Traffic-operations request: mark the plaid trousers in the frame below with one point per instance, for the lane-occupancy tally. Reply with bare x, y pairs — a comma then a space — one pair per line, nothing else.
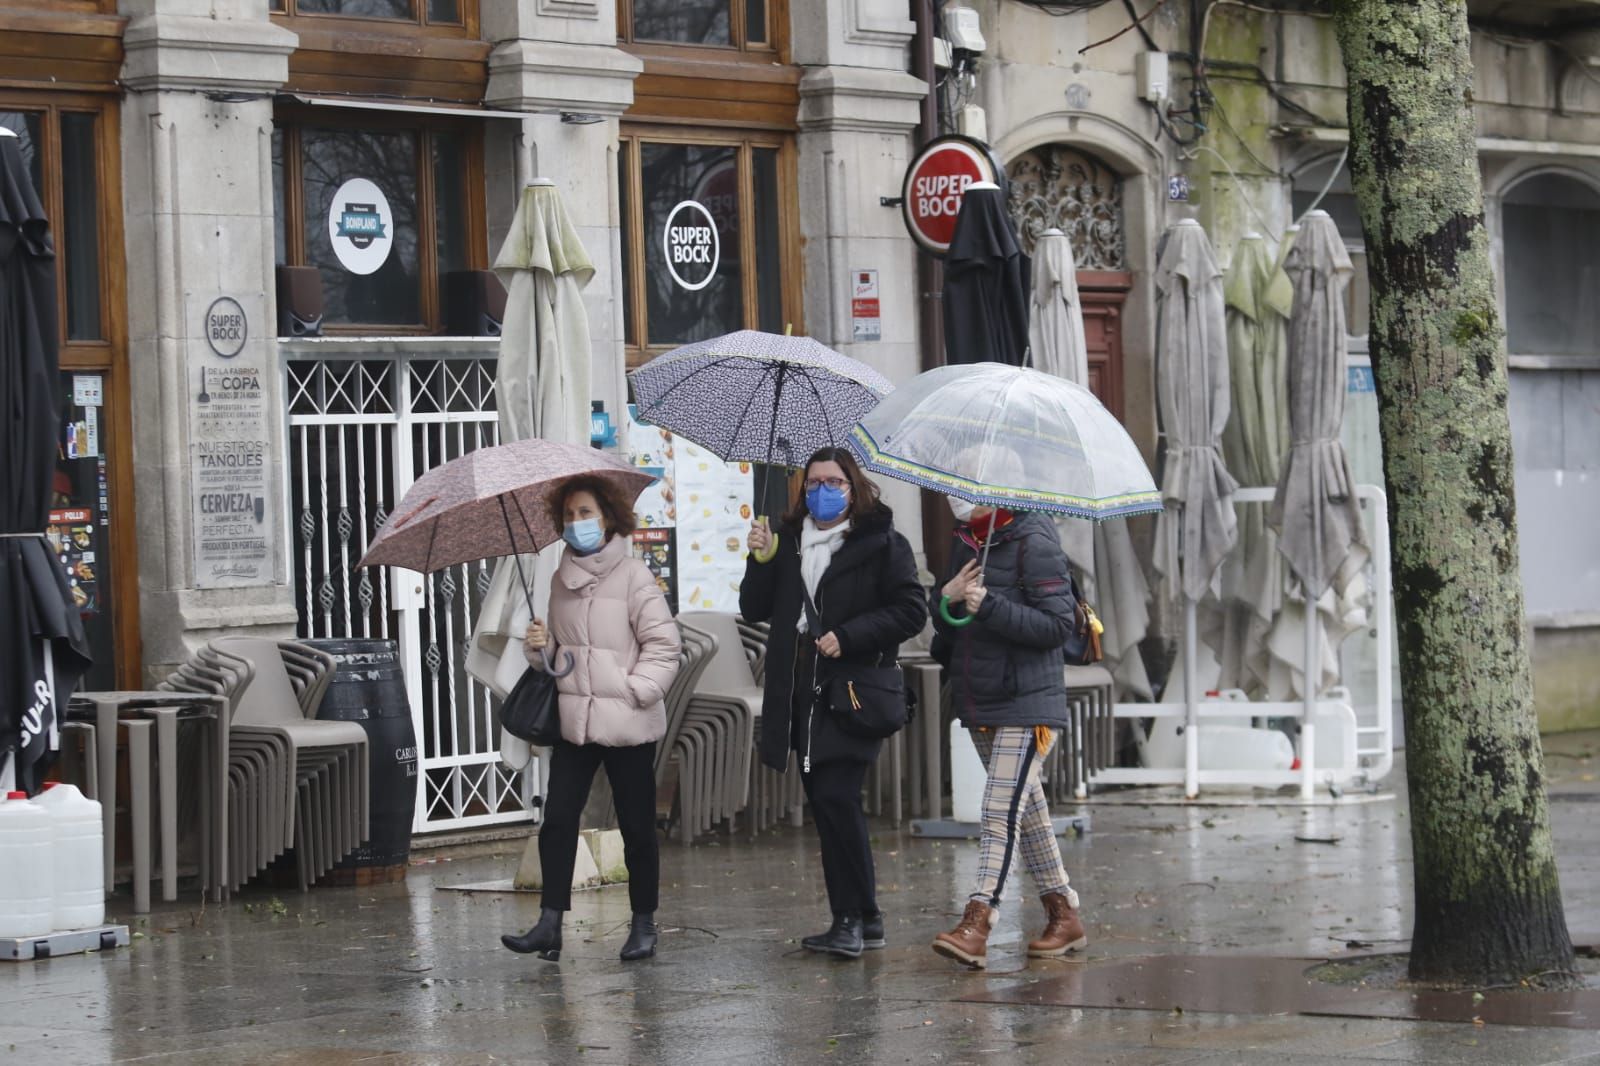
1015, 810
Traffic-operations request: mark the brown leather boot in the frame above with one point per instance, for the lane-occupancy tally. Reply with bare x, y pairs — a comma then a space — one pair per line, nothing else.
1063, 932
968, 942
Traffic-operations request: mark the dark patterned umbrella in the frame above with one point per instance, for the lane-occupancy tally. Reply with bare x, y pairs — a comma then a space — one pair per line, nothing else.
43, 650
757, 397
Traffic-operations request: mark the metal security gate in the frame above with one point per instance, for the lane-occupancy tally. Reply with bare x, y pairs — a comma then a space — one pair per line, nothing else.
366, 419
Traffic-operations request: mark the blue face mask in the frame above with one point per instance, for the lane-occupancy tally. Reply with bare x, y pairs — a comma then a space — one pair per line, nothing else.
826, 502
584, 536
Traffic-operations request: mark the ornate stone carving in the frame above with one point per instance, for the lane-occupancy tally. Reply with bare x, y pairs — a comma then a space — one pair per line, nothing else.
1060, 187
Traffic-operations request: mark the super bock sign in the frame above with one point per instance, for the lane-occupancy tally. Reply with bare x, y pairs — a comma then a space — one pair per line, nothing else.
360, 226
691, 245
930, 196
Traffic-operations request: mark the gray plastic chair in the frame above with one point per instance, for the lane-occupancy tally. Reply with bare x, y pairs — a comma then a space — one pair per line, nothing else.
728, 692
330, 758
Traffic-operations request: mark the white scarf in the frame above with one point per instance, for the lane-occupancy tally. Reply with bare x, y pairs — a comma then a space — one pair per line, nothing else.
816, 552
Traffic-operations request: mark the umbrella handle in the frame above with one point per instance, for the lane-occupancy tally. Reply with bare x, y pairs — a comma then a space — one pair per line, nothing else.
550, 667
950, 619
772, 548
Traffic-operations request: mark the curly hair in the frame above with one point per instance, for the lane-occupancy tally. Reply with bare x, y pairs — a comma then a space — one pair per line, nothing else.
615, 505
864, 497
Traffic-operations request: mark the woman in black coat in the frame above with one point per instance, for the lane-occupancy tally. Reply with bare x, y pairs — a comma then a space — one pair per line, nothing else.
837, 543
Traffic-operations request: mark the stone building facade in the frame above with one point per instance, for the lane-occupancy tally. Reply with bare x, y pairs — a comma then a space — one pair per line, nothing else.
192, 147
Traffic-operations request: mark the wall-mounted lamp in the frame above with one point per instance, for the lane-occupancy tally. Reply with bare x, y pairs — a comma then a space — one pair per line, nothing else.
580, 118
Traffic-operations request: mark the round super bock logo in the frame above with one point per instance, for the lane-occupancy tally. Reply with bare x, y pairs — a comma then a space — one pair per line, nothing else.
360, 226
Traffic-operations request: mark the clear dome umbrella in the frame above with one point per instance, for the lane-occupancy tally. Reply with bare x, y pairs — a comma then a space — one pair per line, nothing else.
1005, 436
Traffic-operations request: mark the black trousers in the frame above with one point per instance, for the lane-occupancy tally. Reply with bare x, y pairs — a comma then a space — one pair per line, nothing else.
631, 772
834, 792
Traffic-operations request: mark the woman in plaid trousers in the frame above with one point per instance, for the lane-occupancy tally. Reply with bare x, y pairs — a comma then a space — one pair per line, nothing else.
1004, 663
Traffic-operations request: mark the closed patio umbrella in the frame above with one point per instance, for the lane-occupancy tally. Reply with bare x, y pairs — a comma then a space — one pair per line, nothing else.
1109, 569
986, 283
542, 387
1198, 529
1316, 513
1259, 298
43, 650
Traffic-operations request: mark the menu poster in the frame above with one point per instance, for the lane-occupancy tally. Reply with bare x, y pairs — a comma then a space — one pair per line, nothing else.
658, 549
714, 509
72, 536
235, 521
652, 449
702, 505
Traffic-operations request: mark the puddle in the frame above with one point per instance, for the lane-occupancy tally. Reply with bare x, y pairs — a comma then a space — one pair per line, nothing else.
1255, 985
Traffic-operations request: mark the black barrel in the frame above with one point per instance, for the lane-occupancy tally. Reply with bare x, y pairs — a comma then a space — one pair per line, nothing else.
369, 687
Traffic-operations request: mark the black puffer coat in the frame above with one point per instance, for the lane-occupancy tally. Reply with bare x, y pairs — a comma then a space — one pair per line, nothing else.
1006, 667
869, 597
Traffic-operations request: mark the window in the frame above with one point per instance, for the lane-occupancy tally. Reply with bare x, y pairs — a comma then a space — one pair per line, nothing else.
69, 144
1551, 228
61, 148
383, 211
735, 24
709, 249
417, 12
1340, 203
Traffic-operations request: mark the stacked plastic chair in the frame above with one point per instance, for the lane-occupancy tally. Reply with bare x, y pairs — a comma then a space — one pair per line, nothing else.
294, 781
723, 711
692, 660
773, 796
1087, 746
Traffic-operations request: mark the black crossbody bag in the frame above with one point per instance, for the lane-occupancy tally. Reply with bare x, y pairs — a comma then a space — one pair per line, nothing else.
869, 702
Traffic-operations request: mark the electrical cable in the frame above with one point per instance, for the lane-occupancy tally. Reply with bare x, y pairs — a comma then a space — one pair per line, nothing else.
1149, 41
1136, 24
1064, 8
1266, 227
1333, 176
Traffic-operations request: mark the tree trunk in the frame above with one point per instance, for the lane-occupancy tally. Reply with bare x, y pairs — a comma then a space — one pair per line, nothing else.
1488, 903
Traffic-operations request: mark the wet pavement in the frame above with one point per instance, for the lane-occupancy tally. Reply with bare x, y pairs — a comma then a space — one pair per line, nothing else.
410, 973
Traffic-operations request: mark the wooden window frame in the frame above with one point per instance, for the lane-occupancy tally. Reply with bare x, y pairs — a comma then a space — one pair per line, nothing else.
107, 356
775, 49
417, 25
636, 347
290, 120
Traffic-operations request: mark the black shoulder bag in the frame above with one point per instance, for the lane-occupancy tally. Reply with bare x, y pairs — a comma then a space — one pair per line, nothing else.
531, 710
869, 702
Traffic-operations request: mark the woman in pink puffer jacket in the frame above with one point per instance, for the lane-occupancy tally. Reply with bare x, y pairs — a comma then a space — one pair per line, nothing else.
608, 614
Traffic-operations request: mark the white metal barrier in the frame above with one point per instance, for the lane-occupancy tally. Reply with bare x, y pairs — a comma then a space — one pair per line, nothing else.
1374, 722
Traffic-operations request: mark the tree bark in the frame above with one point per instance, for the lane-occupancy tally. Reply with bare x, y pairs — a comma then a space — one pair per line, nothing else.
1488, 902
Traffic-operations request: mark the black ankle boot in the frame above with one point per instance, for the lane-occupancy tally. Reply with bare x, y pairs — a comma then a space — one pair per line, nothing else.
872, 937
641, 938
843, 940
819, 941
544, 938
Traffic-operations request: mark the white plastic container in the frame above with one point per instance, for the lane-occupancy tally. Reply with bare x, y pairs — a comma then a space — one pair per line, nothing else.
968, 776
78, 859
26, 870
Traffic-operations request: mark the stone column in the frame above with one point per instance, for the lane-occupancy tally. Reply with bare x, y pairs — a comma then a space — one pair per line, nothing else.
558, 60
858, 108
207, 409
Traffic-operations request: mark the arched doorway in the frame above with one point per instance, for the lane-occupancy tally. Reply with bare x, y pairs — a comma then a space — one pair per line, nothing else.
1056, 186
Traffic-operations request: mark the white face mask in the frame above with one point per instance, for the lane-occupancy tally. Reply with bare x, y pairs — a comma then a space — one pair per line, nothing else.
960, 508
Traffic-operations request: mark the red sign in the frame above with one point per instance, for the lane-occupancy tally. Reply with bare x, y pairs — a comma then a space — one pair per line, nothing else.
930, 198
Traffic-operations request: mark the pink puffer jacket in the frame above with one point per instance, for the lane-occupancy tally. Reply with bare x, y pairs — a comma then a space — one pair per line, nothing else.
608, 612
